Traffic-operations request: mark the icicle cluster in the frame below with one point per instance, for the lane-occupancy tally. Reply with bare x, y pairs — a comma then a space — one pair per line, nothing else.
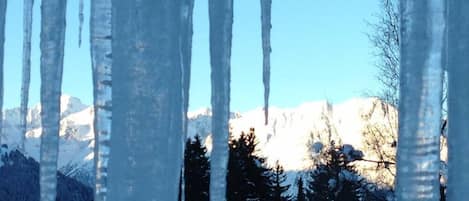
221, 23
3, 9
27, 31
420, 107
101, 59
266, 10
52, 54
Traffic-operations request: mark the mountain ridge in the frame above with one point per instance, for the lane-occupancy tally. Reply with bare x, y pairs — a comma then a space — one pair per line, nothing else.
285, 138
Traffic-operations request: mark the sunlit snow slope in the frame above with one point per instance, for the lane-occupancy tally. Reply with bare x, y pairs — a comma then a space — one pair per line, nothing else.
285, 138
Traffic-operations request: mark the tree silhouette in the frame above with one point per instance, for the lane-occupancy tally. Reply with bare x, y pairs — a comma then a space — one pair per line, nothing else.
279, 189
249, 178
336, 179
196, 171
300, 195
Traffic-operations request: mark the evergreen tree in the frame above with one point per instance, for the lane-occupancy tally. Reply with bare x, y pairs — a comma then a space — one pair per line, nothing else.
336, 179
258, 174
279, 190
196, 171
300, 195
248, 177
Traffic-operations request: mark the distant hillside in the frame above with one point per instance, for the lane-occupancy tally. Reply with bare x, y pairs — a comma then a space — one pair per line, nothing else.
19, 180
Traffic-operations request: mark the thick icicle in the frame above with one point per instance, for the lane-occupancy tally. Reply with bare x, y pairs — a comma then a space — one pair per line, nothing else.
221, 24
422, 35
147, 103
80, 19
3, 9
27, 28
458, 109
101, 53
186, 48
52, 53
266, 10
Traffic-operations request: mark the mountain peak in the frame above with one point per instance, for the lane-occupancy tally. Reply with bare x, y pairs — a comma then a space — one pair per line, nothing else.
205, 111
70, 104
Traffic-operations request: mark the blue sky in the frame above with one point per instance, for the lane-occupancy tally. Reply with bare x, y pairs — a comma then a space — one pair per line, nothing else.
320, 51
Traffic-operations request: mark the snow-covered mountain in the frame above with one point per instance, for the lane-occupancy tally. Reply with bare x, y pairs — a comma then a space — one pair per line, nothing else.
286, 138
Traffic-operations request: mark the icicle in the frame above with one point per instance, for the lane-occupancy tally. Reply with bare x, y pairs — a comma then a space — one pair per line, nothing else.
458, 96
186, 48
27, 28
221, 23
266, 8
421, 84
101, 53
147, 118
52, 53
3, 9
81, 19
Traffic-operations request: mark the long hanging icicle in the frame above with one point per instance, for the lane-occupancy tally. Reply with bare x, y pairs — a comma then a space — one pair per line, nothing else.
147, 118
458, 109
3, 9
221, 24
266, 10
418, 154
80, 19
52, 53
186, 48
101, 53
27, 27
